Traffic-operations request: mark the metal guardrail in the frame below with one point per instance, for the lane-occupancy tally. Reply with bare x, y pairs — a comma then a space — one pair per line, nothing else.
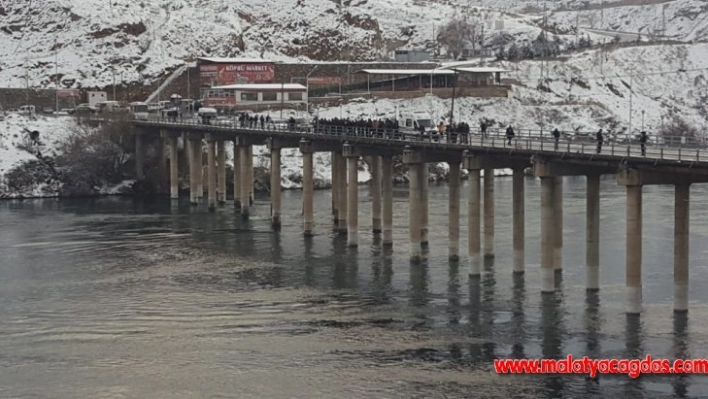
524, 139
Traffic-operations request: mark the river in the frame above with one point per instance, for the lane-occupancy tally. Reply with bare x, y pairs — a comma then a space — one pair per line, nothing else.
128, 298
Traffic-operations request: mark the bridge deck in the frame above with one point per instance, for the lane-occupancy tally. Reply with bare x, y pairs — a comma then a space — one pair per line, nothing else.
686, 156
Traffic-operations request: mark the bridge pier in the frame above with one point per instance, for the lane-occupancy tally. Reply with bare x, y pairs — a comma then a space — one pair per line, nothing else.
518, 214
424, 211
334, 166
237, 175
387, 180
474, 241
161, 162
416, 173
547, 235
195, 170
307, 186
352, 199
221, 173
558, 229
275, 193
634, 180
211, 172
546, 169
174, 168
375, 167
592, 235
488, 212
454, 211
199, 157
250, 180
245, 186
342, 195
139, 156
681, 238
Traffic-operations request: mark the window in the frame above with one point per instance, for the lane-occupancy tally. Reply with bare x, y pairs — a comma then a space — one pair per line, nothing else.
295, 96
249, 96
270, 96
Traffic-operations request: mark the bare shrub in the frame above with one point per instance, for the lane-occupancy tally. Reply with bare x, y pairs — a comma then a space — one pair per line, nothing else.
678, 131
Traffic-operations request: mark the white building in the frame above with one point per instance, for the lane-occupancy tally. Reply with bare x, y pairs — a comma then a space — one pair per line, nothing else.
231, 96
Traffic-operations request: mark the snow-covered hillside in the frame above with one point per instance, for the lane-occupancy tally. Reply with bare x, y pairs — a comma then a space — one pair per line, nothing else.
97, 41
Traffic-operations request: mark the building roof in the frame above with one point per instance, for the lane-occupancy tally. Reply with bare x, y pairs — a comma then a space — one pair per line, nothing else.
234, 60
480, 70
406, 72
262, 86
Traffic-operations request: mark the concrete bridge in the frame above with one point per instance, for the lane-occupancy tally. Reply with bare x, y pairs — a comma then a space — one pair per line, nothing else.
677, 165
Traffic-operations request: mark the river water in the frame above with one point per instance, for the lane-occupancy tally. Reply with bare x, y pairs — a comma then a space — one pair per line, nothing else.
129, 298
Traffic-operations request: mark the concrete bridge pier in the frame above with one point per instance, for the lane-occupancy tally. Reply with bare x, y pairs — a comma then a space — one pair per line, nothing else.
518, 214
195, 170
416, 164
474, 241
547, 235
475, 163
221, 172
592, 235
334, 166
237, 175
275, 147
174, 168
199, 165
454, 211
307, 186
275, 192
250, 181
139, 156
352, 160
342, 209
211, 172
245, 176
546, 169
424, 211
558, 229
489, 212
387, 180
681, 238
375, 166
634, 180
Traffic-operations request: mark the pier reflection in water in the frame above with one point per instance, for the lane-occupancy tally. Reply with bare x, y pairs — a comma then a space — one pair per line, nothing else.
135, 298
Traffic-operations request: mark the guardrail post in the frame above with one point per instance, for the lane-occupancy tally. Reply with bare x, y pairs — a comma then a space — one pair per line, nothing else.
628, 150
662, 152
679, 153
698, 155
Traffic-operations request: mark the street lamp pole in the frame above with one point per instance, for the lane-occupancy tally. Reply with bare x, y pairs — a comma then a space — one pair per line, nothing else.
452, 106
631, 92
307, 83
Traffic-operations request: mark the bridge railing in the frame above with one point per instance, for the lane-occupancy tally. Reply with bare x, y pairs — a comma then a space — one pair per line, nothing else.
670, 148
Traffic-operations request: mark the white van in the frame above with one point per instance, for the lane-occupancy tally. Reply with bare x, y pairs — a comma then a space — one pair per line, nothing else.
207, 115
139, 110
27, 109
416, 121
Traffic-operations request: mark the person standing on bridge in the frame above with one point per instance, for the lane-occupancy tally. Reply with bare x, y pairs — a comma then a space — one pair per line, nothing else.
483, 129
643, 142
556, 137
509, 134
600, 139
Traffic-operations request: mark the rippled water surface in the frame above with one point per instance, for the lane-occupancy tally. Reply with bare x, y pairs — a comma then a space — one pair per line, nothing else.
127, 298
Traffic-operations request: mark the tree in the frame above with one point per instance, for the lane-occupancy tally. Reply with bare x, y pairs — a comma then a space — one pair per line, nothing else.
456, 35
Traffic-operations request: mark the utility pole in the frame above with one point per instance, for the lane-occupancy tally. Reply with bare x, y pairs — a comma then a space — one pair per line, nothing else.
56, 76
631, 92
282, 99
114, 84
189, 89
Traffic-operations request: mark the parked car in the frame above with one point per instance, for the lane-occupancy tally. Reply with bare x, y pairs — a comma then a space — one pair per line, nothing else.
85, 109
